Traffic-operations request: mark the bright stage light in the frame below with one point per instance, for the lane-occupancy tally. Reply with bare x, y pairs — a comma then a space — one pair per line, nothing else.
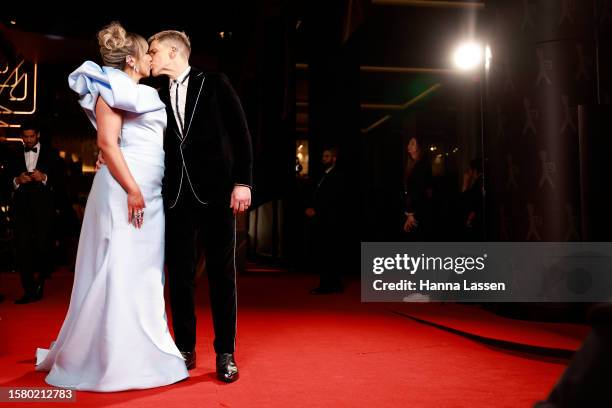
468, 56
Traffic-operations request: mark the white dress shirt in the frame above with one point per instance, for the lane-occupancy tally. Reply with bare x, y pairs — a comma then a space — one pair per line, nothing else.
182, 82
31, 159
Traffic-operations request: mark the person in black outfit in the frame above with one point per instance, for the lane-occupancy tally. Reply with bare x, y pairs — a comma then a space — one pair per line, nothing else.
327, 225
586, 380
5, 188
417, 193
207, 181
472, 197
34, 176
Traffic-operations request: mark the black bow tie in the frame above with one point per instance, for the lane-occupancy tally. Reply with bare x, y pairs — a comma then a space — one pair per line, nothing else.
31, 149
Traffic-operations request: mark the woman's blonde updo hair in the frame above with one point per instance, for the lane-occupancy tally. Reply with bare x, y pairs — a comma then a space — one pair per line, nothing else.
116, 44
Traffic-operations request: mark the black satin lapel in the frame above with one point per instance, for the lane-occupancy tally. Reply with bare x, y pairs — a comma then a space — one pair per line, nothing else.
193, 91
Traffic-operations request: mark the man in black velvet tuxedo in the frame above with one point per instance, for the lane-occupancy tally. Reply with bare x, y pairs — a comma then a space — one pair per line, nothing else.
34, 174
207, 181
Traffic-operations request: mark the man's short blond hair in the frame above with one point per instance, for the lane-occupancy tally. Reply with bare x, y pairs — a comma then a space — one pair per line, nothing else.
175, 37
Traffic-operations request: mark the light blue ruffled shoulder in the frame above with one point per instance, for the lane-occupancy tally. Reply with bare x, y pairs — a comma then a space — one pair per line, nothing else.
116, 88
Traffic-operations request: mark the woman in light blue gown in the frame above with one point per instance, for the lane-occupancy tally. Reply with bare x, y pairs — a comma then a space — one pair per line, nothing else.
115, 335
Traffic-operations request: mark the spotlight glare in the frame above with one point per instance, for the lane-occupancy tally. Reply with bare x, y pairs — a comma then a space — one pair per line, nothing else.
488, 57
468, 56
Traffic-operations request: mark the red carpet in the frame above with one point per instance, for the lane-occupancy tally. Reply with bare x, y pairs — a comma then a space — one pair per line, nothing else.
294, 349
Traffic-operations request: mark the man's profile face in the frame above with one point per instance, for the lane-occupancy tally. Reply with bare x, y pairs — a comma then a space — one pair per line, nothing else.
160, 57
30, 137
328, 159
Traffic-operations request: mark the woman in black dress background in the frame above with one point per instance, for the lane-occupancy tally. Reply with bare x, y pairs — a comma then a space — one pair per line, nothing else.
417, 193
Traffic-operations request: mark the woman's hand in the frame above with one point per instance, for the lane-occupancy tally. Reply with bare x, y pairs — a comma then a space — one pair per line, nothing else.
100, 162
411, 223
136, 207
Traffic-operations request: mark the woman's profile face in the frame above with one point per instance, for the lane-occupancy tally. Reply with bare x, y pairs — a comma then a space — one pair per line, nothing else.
143, 63
413, 147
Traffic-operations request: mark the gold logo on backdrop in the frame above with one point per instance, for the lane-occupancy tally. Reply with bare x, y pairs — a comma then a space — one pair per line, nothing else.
17, 92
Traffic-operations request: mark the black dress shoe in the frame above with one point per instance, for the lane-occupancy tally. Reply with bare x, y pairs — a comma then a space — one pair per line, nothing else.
27, 298
227, 371
190, 359
324, 290
38, 290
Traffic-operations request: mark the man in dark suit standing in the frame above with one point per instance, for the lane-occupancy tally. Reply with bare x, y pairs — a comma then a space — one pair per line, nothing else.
33, 176
207, 181
326, 214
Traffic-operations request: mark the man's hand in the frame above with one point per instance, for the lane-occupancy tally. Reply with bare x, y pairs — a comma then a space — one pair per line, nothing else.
38, 176
470, 219
100, 162
241, 199
411, 223
24, 178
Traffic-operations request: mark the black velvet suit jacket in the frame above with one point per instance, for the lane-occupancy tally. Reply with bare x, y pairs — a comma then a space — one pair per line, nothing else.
215, 153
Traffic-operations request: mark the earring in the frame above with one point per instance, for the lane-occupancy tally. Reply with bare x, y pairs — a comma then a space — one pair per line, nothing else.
135, 69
